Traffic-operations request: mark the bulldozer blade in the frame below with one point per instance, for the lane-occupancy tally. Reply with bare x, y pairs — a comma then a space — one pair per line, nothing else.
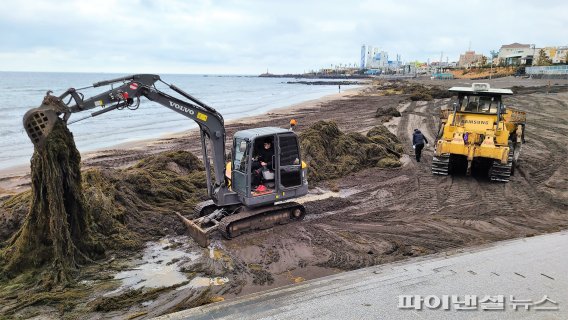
195, 231
39, 122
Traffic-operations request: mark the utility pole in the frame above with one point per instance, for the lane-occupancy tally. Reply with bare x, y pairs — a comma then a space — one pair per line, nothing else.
415, 68
491, 68
534, 57
492, 54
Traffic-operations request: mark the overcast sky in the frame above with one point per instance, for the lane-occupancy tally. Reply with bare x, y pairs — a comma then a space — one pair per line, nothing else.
249, 37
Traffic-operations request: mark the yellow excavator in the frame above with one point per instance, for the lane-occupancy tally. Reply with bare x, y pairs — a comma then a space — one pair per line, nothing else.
479, 134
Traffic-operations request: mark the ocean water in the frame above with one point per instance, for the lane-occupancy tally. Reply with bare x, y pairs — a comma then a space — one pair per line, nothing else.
233, 96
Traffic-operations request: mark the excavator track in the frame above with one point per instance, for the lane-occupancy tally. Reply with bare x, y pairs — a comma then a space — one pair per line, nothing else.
502, 172
260, 218
204, 208
441, 165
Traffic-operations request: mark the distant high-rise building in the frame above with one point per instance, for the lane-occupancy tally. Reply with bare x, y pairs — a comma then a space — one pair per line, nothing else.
373, 58
363, 64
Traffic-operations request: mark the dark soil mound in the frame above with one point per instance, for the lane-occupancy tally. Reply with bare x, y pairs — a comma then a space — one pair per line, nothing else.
420, 92
331, 153
327, 205
421, 96
387, 113
416, 92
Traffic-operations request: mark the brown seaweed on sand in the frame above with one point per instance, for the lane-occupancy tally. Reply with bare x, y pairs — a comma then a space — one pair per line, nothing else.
331, 154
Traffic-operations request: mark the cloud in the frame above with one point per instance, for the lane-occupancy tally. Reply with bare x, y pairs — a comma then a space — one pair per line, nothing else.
249, 36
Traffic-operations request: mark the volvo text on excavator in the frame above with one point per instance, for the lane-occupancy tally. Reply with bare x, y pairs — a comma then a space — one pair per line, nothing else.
235, 206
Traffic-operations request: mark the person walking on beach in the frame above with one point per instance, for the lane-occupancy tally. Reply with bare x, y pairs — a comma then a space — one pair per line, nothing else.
418, 140
339, 88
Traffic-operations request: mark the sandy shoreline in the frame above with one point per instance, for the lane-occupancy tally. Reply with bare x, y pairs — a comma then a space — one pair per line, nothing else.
15, 178
314, 103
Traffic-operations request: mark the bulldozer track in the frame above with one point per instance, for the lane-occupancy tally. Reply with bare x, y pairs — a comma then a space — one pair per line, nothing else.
501, 172
555, 158
539, 132
428, 191
402, 127
441, 165
458, 194
418, 113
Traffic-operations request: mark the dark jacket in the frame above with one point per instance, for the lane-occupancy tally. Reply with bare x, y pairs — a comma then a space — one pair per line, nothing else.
265, 155
418, 138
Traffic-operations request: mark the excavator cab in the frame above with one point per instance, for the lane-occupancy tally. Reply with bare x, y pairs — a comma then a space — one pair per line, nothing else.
283, 177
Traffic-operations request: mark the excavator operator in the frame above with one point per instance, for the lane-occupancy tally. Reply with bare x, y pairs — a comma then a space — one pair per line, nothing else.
262, 161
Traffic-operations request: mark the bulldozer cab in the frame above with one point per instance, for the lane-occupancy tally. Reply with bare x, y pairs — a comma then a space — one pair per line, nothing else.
481, 99
486, 104
266, 166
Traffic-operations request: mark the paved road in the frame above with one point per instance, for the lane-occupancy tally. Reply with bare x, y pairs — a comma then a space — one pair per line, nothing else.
526, 269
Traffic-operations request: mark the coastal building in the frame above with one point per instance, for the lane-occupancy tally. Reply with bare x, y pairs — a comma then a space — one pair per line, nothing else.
422, 68
561, 55
394, 65
373, 58
516, 54
470, 59
555, 54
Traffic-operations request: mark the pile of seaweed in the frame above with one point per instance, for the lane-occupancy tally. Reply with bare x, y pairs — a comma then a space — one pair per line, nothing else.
55, 236
71, 218
419, 92
100, 213
141, 199
386, 113
125, 207
416, 91
331, 154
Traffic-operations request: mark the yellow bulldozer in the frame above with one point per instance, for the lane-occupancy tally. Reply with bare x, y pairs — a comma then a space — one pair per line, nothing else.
479, 134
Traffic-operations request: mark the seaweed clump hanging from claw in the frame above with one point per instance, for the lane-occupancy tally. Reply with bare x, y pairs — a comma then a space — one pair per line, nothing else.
55, 235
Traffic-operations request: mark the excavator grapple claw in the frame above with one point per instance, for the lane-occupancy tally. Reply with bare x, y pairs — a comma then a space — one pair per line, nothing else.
39, 122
